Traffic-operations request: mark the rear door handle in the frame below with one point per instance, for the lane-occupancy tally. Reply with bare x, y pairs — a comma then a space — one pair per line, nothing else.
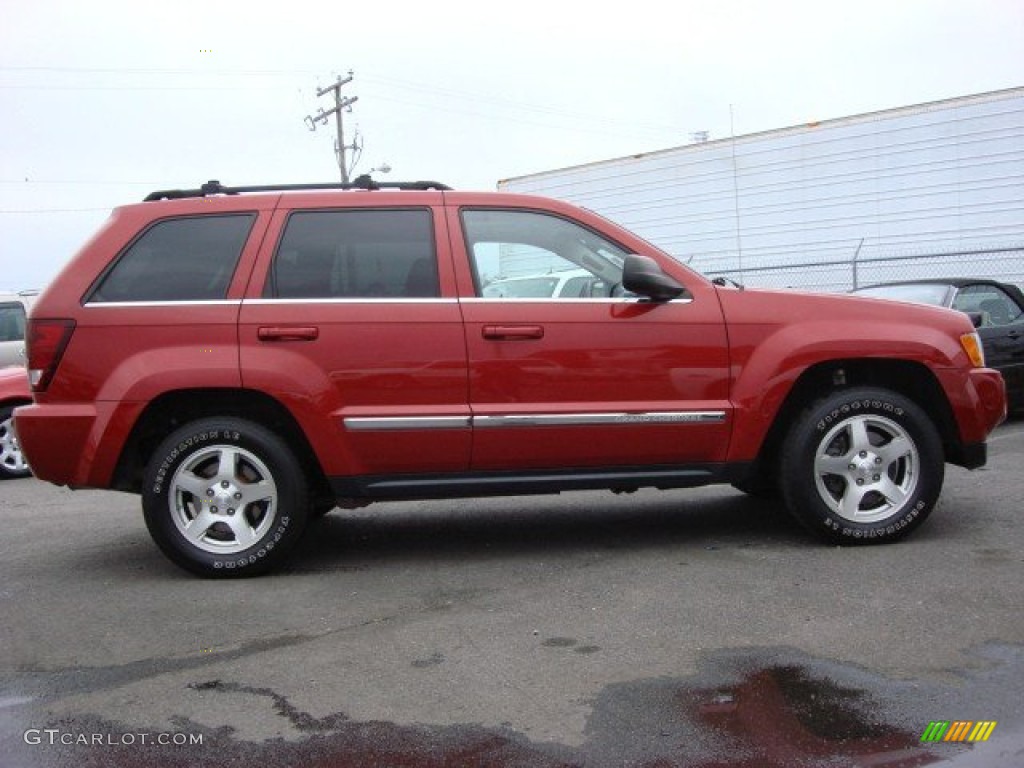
287, 333
513, 332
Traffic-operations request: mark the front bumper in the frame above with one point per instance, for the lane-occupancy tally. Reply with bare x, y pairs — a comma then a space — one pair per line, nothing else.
978, 399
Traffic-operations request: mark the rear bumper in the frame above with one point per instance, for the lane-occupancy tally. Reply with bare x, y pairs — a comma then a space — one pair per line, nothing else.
76, 444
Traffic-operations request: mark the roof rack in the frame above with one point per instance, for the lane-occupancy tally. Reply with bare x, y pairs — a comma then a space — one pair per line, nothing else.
214, 187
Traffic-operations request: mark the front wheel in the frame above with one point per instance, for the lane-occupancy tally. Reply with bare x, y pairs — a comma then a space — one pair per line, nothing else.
861, 466
12, 460
225, 497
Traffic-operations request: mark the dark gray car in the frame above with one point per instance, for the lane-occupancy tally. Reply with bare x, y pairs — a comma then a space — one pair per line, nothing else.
998, 309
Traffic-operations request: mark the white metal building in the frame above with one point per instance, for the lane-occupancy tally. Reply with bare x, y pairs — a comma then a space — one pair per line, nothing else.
933, 189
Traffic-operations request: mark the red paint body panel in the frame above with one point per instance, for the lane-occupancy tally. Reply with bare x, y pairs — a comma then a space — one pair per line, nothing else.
775, 336
369, 358
730, 356
592, 357
599, 357
78, 444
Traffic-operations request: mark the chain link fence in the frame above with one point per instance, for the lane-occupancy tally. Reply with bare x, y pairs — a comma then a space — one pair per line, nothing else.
1005, 264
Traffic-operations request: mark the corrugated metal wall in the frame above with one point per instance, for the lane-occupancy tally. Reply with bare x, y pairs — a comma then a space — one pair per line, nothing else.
911, 192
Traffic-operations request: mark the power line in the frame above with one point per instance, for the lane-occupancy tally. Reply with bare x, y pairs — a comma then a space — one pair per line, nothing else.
57, 210
141, 71
77, 181
190, 88
385, 81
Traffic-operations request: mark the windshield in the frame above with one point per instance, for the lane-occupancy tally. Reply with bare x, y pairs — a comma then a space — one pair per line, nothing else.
919, 293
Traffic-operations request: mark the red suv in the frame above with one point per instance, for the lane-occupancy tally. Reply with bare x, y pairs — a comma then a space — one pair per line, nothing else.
246, 358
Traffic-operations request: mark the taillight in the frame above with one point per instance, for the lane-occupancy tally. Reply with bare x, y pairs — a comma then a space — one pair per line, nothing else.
45, 343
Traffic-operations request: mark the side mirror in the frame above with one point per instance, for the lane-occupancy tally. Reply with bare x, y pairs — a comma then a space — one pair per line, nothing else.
977, 318
643, 276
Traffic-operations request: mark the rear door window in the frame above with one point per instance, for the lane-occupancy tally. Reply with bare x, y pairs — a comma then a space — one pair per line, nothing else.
355, 254
187, 259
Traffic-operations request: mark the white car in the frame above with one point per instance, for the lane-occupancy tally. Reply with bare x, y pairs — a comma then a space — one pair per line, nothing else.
14, 309
570, 283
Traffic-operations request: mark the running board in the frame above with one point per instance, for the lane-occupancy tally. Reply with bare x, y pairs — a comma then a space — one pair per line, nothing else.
443, 486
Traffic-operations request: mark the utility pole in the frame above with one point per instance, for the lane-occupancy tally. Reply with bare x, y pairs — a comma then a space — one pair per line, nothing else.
340, 148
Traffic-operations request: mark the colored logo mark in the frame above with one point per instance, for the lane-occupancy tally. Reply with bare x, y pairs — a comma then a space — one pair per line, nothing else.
958, 730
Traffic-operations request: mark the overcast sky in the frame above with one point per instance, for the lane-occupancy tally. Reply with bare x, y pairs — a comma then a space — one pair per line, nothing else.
103, 102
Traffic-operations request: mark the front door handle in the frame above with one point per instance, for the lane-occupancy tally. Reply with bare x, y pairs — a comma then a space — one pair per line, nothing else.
513, 332
287, 333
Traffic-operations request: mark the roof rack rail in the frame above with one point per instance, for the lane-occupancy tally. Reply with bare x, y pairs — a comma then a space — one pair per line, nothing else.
214, 187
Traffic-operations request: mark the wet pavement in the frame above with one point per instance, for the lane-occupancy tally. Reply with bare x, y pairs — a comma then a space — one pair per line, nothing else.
694, 629
756, 708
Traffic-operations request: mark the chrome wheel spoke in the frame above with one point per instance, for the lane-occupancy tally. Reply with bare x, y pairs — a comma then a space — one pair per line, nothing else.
849, 504
10, 452
833, 465
859, 438
191, 483
893, 493
894, 450
245, 534
200, 526
261, 490
227, 464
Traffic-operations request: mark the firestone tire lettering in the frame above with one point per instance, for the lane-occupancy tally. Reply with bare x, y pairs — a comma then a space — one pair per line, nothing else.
800, 448
289, 508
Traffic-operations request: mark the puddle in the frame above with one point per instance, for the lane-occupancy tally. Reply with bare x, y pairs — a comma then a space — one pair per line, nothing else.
750, 708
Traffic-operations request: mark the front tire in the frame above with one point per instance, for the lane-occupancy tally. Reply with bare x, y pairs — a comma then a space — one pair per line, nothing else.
862, 466
225, 498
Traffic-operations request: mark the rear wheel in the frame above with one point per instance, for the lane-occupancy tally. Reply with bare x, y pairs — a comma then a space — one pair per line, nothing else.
12, 460
862, 465
225, 497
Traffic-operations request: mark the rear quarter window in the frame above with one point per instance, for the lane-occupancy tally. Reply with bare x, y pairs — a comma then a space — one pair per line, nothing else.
186, 259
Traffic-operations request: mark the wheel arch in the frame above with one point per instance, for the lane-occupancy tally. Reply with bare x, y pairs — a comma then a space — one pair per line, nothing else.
910, 379
171, 410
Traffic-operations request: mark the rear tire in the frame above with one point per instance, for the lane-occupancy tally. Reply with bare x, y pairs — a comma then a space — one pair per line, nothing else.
225, 497
862, 466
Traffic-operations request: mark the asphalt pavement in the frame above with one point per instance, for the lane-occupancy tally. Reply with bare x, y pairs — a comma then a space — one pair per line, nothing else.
684, 628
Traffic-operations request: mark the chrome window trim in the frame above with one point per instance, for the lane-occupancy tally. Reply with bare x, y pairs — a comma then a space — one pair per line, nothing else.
567, 300
326, 300
168, 303
382, 300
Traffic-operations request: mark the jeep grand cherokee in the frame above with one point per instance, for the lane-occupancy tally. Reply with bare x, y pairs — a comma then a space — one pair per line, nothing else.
245, 358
